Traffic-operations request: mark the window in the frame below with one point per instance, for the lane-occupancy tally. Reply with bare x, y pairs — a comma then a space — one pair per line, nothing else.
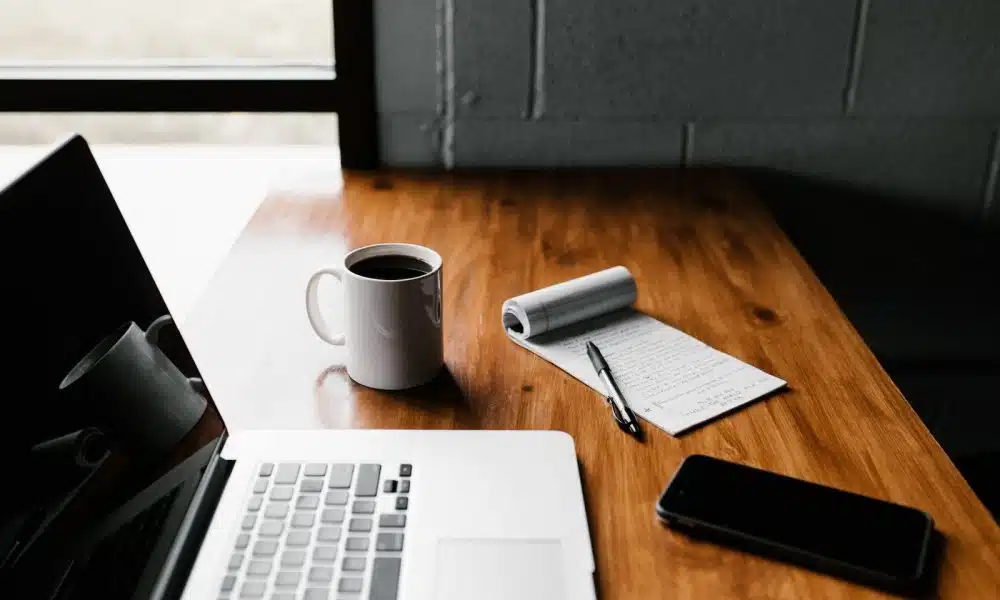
213, 31
237, 57
152, 128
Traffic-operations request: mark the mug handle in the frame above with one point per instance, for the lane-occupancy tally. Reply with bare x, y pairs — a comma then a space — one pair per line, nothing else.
312, 306
198, 385
153, 331
153, 336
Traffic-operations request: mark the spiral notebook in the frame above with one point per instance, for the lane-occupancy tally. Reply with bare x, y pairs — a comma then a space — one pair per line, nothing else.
668, 377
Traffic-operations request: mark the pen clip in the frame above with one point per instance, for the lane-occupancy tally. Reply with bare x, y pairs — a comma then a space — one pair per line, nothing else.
631, 415
619, 418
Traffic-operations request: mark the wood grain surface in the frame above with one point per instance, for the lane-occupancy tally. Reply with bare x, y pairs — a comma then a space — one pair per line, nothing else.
708, 259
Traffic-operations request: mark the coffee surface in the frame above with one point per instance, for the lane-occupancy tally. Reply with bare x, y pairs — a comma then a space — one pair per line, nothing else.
390, 268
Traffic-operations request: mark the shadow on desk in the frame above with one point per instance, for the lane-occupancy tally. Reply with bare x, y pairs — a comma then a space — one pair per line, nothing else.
920, 285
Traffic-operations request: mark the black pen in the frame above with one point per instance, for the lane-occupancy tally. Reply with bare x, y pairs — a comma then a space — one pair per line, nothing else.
619, 408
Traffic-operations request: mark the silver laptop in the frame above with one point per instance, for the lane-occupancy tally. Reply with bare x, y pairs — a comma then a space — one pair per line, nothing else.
369, 514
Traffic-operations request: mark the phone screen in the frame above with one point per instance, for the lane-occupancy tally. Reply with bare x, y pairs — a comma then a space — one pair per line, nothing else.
877, 536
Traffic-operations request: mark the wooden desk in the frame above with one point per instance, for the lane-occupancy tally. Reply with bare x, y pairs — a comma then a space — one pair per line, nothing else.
708, 259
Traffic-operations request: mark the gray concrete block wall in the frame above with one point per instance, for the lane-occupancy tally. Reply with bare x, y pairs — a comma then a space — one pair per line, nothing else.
896, 96
930, 58
686, 58
566, 144
492, 58
410, 92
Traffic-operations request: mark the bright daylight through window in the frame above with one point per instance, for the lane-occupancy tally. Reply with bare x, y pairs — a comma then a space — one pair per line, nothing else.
135, 39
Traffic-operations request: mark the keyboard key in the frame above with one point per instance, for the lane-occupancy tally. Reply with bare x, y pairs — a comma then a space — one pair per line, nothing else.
363, 507
389, 542
293, 558
235, 561
354, 563
287, 578
392, 521
281, 492
276, 510
360, 525
259, 568
303, 519
328, 534
298, 538
367, 480
311, 485
336, 498
253, 589
254, 504
324, 554
404, 486
402, 502
349, 584
266, 469
264, 548
271, 528
341, 476
249, 521
307, 502
315, 470
333, 516
321, 574
260, 486
357, 544
316, 594
385, 578
389, 486
283, 596
405, 470
287, 473
242, 541
228, 583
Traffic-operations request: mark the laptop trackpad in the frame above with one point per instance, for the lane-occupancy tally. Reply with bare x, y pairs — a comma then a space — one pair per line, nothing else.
490, 569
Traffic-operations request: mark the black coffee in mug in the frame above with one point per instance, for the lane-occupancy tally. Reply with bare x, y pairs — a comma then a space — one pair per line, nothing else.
390, 267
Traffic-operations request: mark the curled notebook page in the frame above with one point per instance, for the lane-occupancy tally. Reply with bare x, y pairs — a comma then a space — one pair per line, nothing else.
568, 302
668, 377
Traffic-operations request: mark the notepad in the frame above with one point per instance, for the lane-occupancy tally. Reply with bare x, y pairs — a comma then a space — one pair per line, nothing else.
668, 377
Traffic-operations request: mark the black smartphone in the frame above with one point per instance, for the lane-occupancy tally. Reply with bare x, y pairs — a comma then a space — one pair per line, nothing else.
847, 535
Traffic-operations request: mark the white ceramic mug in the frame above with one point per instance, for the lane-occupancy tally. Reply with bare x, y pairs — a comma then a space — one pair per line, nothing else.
393, 326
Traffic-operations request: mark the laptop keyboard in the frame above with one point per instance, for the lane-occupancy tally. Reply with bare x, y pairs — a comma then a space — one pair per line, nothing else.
318, 531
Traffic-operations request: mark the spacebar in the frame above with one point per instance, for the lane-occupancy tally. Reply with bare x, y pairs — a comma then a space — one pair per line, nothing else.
385, 578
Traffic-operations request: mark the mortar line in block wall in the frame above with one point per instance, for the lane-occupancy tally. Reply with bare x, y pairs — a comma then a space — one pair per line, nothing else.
856, 57
446, 48
535, 105
992, 174
687, 144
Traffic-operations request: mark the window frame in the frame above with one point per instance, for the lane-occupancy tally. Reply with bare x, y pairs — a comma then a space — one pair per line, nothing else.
347, 88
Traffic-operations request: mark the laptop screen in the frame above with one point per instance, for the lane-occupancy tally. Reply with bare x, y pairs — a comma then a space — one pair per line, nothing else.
100, 394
